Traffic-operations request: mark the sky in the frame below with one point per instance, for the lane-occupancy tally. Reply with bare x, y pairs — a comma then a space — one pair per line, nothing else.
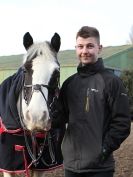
42, 18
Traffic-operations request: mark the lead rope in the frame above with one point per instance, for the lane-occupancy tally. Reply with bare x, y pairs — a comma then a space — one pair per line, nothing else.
51, 149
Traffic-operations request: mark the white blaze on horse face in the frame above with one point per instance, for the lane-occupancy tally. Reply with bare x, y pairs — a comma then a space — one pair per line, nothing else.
36, 114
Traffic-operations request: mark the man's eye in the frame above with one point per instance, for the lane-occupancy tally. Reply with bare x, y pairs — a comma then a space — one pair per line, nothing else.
90, 46
79, 46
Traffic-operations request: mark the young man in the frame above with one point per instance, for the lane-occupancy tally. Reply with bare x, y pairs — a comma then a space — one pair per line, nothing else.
94, 104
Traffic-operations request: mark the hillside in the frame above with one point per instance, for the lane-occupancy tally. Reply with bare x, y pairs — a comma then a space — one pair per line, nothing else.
66, 57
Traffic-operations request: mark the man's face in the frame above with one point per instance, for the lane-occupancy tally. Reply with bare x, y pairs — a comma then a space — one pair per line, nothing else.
87, 49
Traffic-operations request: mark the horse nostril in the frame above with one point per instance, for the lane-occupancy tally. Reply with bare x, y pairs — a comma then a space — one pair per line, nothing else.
27, 115
44, 114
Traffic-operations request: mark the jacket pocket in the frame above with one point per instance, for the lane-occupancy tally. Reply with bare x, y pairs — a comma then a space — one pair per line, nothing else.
87, 100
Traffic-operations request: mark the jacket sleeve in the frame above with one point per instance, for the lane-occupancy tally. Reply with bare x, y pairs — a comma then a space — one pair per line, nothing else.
60, 116
118, 127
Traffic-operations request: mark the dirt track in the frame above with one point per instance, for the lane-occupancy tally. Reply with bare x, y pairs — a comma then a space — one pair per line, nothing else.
123, 156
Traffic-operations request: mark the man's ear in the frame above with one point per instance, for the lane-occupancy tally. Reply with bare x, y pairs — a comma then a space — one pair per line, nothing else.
100, 48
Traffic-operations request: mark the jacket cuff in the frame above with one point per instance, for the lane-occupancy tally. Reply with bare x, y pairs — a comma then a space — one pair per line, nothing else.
105, 154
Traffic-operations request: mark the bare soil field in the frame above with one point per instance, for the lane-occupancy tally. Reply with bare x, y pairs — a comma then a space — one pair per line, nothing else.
123, 157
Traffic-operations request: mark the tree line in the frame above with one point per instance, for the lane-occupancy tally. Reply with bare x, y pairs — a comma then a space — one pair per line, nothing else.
127, 78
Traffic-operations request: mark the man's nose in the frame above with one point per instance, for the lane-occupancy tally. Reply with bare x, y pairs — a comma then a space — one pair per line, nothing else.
85, 50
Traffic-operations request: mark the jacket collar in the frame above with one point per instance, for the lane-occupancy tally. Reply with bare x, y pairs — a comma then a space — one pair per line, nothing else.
90, 69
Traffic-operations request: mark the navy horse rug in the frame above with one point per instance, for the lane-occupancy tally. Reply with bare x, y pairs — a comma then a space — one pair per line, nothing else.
17, 147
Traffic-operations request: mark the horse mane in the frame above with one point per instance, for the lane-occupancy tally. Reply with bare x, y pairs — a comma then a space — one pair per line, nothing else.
38, 49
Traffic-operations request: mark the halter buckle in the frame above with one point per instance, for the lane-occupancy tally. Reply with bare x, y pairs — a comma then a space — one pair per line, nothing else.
37, 87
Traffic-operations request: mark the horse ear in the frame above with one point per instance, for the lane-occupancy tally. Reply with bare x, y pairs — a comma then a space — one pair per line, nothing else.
27, 40
56, 42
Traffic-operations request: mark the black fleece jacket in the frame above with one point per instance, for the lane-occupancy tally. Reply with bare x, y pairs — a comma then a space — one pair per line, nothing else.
95, 105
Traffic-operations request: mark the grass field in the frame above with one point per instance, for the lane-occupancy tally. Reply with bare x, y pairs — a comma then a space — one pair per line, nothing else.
5, 73
66, 71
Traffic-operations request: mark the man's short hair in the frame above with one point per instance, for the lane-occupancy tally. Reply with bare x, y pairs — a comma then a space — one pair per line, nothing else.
87, 31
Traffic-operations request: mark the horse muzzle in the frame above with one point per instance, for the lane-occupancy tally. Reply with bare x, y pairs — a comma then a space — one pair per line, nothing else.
37, 122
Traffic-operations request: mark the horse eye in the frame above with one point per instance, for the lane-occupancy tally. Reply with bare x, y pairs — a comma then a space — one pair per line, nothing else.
56, 73
28, 66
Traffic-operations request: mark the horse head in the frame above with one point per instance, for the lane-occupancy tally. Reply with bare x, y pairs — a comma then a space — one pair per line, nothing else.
41, 79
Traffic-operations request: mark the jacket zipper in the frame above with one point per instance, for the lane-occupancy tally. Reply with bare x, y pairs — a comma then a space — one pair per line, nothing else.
87, 105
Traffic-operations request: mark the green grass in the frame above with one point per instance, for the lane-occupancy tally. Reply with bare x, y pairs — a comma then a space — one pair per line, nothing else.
6, 73
10, 62
65, 72
112, 50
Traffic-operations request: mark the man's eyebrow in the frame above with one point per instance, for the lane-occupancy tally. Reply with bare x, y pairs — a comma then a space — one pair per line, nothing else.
85, 44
